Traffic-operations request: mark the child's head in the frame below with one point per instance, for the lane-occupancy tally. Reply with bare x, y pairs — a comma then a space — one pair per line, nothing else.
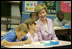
41, 11
60, 15
31, 24
33, 15
21, 30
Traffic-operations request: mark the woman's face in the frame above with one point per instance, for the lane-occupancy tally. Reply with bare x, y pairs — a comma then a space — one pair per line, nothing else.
42, 14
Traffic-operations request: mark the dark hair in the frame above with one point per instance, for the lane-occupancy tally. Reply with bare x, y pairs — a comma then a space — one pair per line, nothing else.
60, 13
30, 22
31, 14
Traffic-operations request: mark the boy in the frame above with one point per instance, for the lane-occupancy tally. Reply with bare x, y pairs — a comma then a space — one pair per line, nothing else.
16, 37
60, 21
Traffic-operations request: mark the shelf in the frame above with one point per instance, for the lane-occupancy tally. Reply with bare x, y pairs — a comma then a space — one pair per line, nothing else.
14, 2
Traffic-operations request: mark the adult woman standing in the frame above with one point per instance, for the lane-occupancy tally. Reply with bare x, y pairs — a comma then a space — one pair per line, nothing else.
45, 25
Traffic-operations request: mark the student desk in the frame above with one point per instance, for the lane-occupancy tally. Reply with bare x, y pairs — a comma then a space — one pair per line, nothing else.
60, 28
39, 45
62, 31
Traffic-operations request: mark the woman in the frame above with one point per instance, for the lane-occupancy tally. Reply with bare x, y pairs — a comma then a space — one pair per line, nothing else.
45, 25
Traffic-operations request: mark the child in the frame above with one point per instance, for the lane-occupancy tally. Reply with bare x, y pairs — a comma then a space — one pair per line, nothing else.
33, 15
32, 28
16, 37
60, 21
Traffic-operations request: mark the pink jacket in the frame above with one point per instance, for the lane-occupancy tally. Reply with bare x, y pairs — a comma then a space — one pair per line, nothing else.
46, 34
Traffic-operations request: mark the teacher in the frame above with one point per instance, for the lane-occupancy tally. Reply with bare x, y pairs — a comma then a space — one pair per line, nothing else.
45, 25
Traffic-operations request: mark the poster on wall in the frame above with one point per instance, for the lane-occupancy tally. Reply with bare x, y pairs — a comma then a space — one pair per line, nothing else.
66, 6
30, 5
51, 5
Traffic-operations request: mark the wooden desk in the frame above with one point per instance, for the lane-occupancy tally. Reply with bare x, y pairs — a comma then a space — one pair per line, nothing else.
38, 45
60, 28
62, 31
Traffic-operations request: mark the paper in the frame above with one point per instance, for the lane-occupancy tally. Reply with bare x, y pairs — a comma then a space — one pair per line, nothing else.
30, 6
57, 27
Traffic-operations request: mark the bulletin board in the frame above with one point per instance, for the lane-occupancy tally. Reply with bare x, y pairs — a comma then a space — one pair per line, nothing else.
30, 5
51, 5
66, 6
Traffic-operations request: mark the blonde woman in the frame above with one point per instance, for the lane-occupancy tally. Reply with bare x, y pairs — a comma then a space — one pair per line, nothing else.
45, 25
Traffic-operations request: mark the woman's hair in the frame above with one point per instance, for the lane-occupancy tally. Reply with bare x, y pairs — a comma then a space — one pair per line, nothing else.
30, 22
40, 7
60, 13
22, 27
44, 9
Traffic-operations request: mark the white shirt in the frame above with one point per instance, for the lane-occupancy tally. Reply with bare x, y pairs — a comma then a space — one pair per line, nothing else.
59, 23
35, 38
46, 26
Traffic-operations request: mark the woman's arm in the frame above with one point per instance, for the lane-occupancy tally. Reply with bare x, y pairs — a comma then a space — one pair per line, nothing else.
39, 34
54, 37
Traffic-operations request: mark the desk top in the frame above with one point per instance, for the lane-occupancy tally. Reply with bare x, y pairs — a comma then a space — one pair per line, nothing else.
60, 28
38, 45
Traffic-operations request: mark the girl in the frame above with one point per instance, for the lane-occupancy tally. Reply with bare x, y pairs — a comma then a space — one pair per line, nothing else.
32, 28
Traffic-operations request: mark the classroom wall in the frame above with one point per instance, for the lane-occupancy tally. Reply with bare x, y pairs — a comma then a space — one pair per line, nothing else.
67, 16
25, 15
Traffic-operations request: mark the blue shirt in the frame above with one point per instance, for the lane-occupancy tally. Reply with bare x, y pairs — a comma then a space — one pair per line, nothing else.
11, 36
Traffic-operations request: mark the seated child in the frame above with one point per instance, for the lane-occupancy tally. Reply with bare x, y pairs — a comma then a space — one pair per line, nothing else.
16, 37
60, 21
32, 16
32, 28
